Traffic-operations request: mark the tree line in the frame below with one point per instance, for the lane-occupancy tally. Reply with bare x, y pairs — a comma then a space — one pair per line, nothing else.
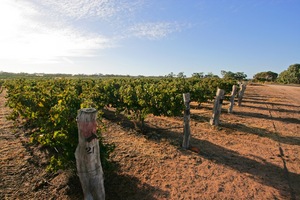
288, 76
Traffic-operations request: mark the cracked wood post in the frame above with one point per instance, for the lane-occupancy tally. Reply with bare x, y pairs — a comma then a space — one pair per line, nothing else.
241, 94
87, 155
233, 93
215, 120
187, 118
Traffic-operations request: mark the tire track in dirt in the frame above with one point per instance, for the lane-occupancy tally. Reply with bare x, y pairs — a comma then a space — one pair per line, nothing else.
281, 153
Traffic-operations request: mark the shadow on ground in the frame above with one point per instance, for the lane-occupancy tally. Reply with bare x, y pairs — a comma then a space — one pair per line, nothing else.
122, 186
268, 117
262, 133
263, 172
268, 103
272, 109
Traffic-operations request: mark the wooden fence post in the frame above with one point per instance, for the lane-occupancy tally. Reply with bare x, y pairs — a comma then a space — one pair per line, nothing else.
217, 108
233, 93
87, 155
187, 117
241, 94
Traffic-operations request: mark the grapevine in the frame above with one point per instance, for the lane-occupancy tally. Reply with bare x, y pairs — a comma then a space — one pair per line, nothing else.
49, 106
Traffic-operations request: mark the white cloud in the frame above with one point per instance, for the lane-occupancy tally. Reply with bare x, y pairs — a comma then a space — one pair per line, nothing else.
51, 43
80, 9
49, 31
27, 36
119, 13
154, 30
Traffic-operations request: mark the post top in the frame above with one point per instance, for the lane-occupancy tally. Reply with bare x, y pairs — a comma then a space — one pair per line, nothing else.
186, 97
88, 110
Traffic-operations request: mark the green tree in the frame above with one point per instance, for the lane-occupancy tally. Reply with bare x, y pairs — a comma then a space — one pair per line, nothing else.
240, 76
227, 74
211, 75
291, 75
170, 75
181, 75
198, 75
265, 76
231, 75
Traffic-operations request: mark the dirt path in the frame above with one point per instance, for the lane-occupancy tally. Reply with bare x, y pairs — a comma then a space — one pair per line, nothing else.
22, 167
12, 170
254, 154
283, 106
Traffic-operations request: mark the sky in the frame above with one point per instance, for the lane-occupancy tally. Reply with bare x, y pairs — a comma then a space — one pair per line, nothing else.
149, 37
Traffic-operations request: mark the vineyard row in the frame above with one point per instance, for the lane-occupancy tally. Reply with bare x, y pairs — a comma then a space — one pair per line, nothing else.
49, 106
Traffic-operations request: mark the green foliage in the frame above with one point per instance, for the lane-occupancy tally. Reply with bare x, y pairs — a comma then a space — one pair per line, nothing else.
198, 75
206, 88
211, 75
49, 106
231, 75
291, 75
1, 88
265, 76
181, 75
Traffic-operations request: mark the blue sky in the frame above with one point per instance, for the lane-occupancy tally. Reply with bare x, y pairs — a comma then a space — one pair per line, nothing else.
149, 37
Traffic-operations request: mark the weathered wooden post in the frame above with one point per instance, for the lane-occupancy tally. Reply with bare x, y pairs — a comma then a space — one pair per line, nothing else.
233, 93
241, 94
87, 155
215, 120
187, 118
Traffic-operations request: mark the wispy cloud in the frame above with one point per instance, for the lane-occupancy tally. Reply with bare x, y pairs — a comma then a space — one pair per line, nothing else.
81, 9
27, 35
154, 30
52, 31
119, 13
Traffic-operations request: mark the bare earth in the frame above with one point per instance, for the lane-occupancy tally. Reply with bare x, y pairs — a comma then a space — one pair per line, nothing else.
253, 154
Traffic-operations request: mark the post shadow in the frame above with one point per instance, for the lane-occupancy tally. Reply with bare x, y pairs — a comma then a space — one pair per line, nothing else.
263, 133
270, 103
118, 186
265, 173
272, 109
262, 172
287, 183
263, 116
125, 187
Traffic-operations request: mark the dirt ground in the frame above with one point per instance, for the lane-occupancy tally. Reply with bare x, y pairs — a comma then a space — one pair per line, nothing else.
253, 154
